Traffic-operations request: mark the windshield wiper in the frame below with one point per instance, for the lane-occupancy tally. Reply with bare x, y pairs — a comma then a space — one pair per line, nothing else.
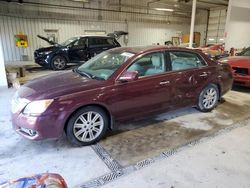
82, 73
97, 78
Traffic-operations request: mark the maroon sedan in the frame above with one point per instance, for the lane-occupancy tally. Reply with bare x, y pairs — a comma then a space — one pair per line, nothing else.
114, 86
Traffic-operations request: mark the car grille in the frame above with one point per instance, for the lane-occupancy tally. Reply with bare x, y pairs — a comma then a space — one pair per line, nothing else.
241, 71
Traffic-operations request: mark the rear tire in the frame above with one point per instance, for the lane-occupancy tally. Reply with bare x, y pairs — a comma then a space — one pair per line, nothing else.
58, 63
87, 126
208, 98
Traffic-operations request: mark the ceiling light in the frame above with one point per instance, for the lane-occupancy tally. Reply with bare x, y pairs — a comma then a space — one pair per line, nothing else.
165, 9
221, 39
211, 39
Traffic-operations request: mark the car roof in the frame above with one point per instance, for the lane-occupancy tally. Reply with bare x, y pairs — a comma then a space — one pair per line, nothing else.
96, 36
145, 49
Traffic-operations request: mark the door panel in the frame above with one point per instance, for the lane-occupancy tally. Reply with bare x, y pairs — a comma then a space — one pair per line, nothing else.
78, 51
151, 92
140, 97
191, 74
189, 83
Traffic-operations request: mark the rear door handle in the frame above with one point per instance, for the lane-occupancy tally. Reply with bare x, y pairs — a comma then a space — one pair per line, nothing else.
204, 74
164, 82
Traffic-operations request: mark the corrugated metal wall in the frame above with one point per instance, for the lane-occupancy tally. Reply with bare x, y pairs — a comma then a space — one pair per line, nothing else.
33, 20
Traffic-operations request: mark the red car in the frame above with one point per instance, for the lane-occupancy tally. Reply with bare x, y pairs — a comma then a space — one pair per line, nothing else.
241, 69
46, 180
117, 85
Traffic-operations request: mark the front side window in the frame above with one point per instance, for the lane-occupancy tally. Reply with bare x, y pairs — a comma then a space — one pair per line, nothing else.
185, 60
69, 41
104, 64
81, 42
149, 64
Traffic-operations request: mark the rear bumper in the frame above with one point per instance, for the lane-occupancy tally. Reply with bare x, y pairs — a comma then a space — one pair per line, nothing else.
242, 80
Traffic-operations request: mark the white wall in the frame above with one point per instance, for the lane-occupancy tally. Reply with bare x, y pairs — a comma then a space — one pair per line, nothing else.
153, 33
240, 3
3, 80
238, 24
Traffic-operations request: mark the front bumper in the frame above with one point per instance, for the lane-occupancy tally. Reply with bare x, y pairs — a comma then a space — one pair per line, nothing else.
242, 80
39, 127
43, 60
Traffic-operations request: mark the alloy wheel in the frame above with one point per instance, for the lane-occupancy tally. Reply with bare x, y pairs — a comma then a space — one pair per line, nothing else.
209, 98
59, 63
88, 126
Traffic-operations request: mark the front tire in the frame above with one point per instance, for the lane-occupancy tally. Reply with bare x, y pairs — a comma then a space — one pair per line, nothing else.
87, 126
208, 98
58, 63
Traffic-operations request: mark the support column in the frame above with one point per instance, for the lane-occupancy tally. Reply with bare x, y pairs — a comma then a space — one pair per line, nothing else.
3, 79
191, 35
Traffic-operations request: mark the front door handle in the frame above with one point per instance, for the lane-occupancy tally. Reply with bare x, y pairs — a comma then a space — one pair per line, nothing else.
164, 82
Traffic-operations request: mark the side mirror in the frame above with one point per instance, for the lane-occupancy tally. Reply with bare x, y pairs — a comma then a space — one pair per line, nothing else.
128, 76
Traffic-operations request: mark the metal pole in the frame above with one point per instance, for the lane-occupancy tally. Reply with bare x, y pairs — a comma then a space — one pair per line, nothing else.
191, 36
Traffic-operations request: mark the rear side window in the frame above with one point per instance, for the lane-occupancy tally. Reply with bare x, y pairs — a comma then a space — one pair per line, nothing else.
101, 41
185, 60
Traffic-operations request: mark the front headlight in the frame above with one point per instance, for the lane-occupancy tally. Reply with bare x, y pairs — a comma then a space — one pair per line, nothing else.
37, 107
45, 53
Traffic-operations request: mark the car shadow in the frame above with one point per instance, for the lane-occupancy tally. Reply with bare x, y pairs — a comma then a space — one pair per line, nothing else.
151, 120
241, 89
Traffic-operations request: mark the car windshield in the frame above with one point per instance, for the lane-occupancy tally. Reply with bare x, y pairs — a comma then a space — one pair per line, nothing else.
67, 42
246, 53
104, 65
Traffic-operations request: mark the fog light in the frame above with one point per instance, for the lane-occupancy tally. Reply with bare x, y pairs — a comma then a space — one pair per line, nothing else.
30, 132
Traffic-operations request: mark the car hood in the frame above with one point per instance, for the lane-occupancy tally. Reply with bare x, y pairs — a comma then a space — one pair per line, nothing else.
47, 40
238, 61
56, 85
47, 49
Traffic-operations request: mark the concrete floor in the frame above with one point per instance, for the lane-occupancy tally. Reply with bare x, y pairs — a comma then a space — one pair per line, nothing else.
220, 161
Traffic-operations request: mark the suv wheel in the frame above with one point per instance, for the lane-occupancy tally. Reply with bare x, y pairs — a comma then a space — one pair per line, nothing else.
87, 126
208, 98
58, 63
